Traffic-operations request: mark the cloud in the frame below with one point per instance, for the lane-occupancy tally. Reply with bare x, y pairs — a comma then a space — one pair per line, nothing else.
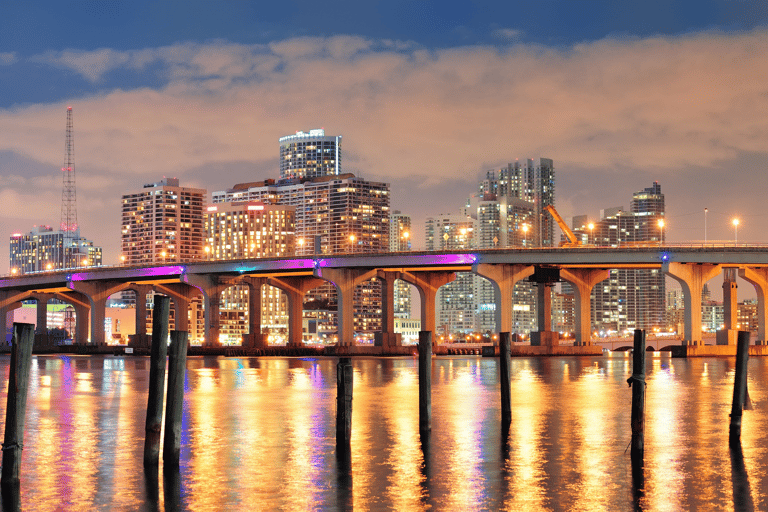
507, 34
7, 58
618, 108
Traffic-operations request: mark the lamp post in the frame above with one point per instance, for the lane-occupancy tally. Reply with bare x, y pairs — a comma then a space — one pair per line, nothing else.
207, 252
525, 233
735, 231
591, 227
705, 224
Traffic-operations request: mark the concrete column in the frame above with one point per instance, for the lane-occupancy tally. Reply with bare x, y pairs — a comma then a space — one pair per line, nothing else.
503, 278
729, 334
583, 280
345, 280
97, 293
211, 287
181, 294
82, 306
254, 338
41, 329
428, 283
387, 337
759, 279
692, 278
295, 288
141, 292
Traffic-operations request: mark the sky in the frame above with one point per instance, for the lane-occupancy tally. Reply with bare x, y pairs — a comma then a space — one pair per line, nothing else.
427, 95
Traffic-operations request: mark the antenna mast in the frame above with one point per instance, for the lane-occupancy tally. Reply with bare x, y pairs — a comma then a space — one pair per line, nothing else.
69, 225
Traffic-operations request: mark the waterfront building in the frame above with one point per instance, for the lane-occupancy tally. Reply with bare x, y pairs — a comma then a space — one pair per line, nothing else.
47, 249
310, 155
162, 223
244, 230
629, 299
400, 241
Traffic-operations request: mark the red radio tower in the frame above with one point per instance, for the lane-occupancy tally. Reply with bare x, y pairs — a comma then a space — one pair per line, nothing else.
68, 193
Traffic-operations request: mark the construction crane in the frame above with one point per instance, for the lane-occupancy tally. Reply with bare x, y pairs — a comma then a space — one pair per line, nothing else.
574, 242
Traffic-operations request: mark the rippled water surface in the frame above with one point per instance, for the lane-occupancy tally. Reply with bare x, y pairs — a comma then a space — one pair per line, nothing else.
259, 434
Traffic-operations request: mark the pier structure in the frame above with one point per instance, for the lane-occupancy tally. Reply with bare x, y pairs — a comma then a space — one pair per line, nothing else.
87, 290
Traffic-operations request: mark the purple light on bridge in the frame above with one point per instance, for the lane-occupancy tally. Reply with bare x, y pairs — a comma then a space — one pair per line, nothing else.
279, 265
138, 272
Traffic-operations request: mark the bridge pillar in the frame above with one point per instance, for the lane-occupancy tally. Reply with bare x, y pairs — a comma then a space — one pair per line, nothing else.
759, 279
41, 329
295, 288
97, 293
345, 280
387, 337
181, 294
211, 287
692, 278
428, 283
8, 302
583, 280
728, 335
254, 338
503, 279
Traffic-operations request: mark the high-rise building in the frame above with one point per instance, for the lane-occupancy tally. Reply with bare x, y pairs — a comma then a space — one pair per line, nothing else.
46, 249
400, 241
310, 155
250, 230
335, 213
163, 223
629, 299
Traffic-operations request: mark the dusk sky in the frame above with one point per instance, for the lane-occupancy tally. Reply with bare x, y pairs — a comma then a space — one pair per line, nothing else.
426, 94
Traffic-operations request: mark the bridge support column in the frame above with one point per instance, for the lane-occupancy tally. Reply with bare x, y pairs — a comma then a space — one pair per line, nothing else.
428, 283
692, 278
41, 329
295, 288
345, 280
728, 335
387, 337
503, 279
211, 287
254, 338
583, 280
759, 279
97, 293
181, 295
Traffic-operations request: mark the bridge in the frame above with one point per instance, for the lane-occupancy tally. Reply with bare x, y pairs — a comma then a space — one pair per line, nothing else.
87, 289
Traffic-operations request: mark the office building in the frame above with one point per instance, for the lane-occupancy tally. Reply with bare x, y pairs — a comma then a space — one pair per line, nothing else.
47, 249
162, 223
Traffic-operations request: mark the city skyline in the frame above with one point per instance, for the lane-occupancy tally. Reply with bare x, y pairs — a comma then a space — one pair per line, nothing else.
428, 106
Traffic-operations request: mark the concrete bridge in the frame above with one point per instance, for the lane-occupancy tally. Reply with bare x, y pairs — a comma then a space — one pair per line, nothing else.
88, 289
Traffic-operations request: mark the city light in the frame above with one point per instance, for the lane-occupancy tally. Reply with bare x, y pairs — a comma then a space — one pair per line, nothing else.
736, 231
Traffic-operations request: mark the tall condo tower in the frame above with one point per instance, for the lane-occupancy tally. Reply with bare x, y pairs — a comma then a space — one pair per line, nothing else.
69, 225
310, 155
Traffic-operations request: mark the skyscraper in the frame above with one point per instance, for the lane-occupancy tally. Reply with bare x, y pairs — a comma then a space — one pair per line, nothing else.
310, 155
46, 249
629, 299
163, 223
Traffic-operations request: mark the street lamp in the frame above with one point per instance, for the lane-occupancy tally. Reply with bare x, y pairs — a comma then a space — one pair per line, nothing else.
591, 227
207, 252
705, 224
661, 227
525, 233
735, 231
122, 259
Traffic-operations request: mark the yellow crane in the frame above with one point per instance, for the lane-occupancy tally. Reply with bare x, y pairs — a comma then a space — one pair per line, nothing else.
574, 242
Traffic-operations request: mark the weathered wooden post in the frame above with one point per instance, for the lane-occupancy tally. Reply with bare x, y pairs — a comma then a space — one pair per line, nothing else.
637, 383
344, 384
504, 370
425, 381
177, 366
18, 383
156, 380
739, 386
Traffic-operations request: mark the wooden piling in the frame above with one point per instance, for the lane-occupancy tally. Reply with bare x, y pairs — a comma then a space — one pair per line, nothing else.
739, 386
425, 381
177, 366
158, 354
18, 384
344, 383
637, 382
504, 377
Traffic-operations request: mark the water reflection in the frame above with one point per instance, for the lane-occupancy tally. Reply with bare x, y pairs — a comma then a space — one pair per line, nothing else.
260, 434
